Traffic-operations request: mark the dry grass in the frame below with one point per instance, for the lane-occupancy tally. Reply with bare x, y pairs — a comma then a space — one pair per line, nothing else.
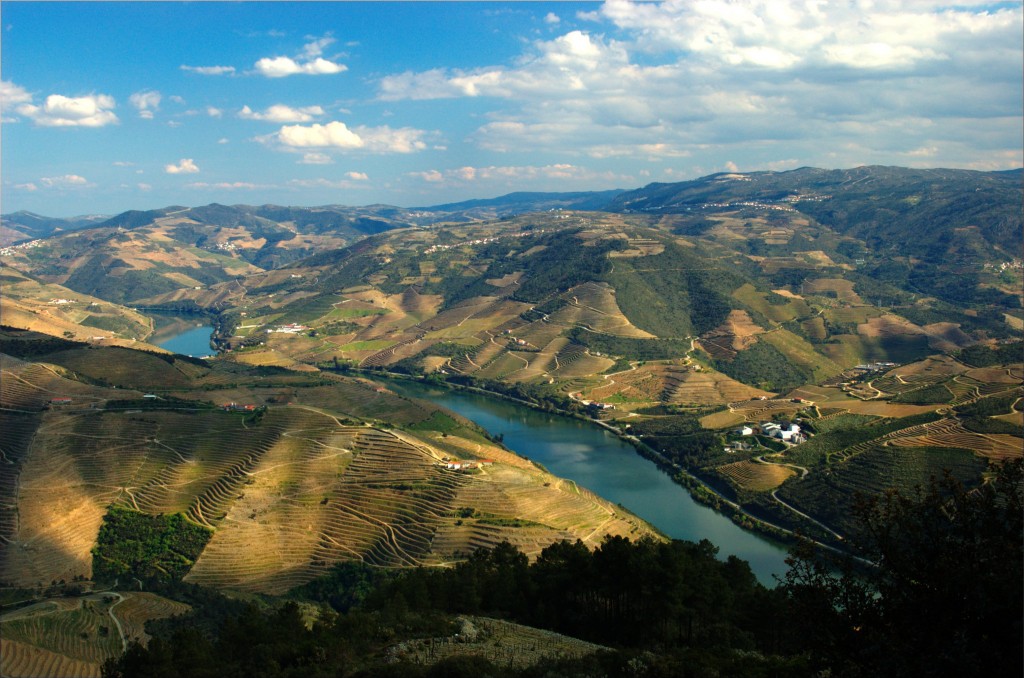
843, 289
724, 419
503, 643
888, 326
756, 477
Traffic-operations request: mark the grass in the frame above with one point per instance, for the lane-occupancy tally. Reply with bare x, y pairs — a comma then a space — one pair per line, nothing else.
370, 345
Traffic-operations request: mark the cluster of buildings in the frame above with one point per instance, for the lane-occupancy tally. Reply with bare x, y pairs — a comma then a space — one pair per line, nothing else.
13, 249
480, 241
290, 328
873, 367
460, 465
787, 432
238, 407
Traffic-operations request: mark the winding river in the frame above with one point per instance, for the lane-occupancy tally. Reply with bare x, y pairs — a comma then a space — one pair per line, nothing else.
599, 461
569, 448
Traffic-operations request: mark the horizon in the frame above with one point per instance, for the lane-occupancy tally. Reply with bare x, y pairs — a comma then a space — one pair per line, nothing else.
349, 103
467, 199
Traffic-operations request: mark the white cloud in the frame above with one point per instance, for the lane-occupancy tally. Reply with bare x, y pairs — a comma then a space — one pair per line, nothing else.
11, 96
551, 18
316, 48
177, 99
145, 187
214, 112
859, 35
123, 163
30, 187
60, 111
185, 166
316, 159
282, 113
357, 176
209, 70
146, 102
223, 140
337, 135
65, 181
807, 81
282, 66
309, 62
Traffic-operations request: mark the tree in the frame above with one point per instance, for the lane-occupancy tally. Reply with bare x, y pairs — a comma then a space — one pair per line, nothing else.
944, 595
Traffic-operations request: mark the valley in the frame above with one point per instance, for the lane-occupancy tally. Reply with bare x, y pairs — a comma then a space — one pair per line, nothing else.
776, 343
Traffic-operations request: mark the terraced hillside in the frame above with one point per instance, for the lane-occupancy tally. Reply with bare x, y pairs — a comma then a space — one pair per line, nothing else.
290, 486
72, 637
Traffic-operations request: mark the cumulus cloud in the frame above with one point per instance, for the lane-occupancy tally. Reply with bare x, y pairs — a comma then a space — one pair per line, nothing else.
337, 135
11, 96
65, 181
93, 110
309, 62
357, 176
282, 113
209, 70
214, 112
185, 166
551, 18
146, 102
815, 83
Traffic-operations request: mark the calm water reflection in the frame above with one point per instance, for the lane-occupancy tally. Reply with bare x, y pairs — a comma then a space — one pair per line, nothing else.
599, 461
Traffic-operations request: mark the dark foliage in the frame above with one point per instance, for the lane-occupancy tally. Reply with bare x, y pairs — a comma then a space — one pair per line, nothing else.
981, 355
766, 367
944, 598
131, 544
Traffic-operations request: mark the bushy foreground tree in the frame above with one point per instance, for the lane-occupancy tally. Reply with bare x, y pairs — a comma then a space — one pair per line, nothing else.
943, 596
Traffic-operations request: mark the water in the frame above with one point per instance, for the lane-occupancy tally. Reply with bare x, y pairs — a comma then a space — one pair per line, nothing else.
596, 459
184, 334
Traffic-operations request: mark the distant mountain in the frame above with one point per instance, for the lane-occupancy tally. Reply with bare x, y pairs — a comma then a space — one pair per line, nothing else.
522, 203
19, 226
888, 207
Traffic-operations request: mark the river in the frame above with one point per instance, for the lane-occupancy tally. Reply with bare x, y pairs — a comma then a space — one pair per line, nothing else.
569, 448
596, 459
184, 334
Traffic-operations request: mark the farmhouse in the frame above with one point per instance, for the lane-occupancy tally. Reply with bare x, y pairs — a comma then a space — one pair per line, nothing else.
237, 407
789, 433
60, 401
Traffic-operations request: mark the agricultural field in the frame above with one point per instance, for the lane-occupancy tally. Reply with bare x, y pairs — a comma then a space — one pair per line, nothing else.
502, 642
755, 476
72, 637
289, 487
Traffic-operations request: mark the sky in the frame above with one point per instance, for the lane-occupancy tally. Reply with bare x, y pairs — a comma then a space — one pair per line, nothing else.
110, 106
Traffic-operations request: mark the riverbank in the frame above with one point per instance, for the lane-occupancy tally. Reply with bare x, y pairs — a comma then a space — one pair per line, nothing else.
700, 491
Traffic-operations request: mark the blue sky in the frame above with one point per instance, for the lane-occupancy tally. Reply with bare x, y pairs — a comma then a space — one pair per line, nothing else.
113, 106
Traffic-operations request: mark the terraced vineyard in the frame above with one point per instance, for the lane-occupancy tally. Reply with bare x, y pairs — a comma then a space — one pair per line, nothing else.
71, 637
757, 477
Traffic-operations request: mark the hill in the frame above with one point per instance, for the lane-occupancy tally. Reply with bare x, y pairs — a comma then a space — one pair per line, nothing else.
324, 468
21, 226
